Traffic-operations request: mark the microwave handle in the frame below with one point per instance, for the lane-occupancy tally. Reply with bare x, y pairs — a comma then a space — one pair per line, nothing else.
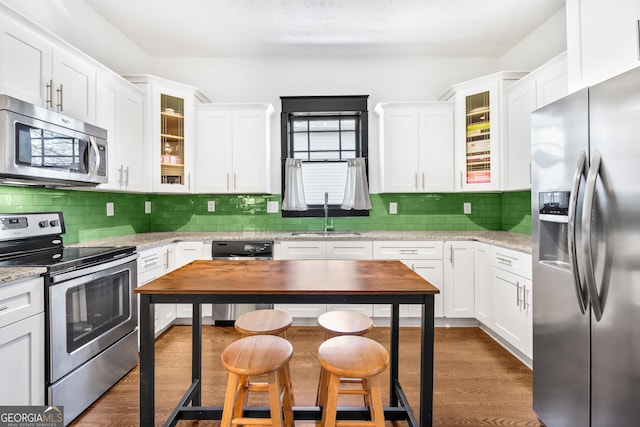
96, 163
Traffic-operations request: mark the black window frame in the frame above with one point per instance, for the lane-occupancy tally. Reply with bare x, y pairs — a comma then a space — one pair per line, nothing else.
324, 107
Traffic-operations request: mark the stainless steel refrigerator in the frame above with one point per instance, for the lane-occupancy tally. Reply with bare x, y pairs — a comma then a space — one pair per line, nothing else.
586, 256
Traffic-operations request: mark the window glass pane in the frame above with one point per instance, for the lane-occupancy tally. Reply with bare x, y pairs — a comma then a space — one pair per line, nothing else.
300, 142
324, 177
324, 155
324, 125
348, 124
299, 125
348, 140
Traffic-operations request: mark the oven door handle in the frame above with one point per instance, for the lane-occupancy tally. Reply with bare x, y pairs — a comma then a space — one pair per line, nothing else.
96, 268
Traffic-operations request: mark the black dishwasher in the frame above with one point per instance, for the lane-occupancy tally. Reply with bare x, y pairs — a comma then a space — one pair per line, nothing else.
239, 250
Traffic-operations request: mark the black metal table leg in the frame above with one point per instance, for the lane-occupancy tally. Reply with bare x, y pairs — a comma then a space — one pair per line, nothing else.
196, 353
394, 346
147, 361
426, 360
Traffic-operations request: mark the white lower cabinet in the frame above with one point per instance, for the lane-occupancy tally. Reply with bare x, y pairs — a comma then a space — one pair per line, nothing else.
458, 279
153, 263
322, 249
512, 298
22, 342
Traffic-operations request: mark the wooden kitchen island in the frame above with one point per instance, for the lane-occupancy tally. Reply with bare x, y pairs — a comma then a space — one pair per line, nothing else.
291, 281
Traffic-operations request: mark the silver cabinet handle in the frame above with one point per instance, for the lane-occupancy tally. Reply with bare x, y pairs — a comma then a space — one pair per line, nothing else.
525, 300
518, 299
235, 181
461, 182
408, 251
60, 100
189, 181
504, 261
227, 181
4, 307
49, 95
451, 255
120, 175
415, 177
581, 293
126, 175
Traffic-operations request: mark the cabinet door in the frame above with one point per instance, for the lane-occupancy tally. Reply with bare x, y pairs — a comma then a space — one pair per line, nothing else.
458, 279
432, 271
74, 88
520, 102
213, 162
108, 117
26, 64
22, 367
477, 138
436, 148
401, 155
508, 315
250, 152
551, 81
482, 283
131, 150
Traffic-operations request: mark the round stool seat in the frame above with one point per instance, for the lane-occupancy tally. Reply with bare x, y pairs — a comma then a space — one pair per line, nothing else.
353, 356
256, 355
345, 322
263, 322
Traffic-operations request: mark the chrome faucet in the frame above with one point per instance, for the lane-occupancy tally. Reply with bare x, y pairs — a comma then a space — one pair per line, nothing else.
327, 226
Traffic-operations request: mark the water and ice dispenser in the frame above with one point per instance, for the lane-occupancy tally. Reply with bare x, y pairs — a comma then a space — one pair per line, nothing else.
554, 224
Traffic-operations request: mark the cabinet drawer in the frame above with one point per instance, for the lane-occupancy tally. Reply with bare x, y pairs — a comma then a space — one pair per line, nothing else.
151, 264
21, 299
409, 249
300, 249
512, 261
355, 249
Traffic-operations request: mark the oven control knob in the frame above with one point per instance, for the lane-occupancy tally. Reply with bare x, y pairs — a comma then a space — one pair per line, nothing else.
43, 224
54, 223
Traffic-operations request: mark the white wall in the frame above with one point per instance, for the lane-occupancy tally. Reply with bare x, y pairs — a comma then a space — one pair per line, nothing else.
540, 46
265, 79
79, 25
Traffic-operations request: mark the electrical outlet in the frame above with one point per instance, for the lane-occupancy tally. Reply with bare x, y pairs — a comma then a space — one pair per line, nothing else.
110, 209
147, 207
211, 206
393, 208
467, 208
272, 207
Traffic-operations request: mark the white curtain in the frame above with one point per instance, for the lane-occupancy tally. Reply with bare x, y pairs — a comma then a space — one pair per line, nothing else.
293, 188
356, 191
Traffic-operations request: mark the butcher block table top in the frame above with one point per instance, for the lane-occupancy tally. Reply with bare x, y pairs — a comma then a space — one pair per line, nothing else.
291, 276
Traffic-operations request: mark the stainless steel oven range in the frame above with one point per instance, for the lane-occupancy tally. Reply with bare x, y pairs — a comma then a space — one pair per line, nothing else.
91, 311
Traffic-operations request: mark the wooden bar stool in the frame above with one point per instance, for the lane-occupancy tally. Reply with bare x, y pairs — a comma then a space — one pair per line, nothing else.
344, 322
352, 357
263, 322
258, 355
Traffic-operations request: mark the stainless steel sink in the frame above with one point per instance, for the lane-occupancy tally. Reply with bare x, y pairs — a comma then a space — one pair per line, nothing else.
325, 233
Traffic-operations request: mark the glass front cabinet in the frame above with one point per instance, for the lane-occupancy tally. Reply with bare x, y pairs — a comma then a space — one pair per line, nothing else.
170, 127
479, 109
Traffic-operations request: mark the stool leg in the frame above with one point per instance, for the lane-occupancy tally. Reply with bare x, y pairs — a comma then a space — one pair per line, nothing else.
330, 407
377, 411
322, 388
287, 396
275, 405
229, 400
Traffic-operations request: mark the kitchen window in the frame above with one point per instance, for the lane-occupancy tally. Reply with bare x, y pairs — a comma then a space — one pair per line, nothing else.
324, 132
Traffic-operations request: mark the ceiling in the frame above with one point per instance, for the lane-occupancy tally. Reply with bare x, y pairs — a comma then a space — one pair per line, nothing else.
326, 27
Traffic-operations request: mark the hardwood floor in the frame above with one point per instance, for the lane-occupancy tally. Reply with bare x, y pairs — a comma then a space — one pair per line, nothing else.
477, 382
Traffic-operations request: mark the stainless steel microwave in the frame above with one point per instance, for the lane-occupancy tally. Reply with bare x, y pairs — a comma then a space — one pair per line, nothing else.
43, 147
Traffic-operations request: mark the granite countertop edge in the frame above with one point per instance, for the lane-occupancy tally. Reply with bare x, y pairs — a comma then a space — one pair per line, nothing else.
515, 241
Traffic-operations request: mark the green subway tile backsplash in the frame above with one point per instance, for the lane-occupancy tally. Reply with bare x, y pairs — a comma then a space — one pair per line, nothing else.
85, 212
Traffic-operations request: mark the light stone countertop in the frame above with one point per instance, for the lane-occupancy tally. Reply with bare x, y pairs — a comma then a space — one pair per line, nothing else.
516, 241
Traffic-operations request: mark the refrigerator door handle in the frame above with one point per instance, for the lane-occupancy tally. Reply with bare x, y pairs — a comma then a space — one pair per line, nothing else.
581, 291
589, 198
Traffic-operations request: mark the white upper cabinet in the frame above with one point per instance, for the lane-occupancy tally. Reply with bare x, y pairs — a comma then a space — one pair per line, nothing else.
38, 71
416, 143
233, 146
602, 40
170, 132
120, 110
540, 87
479, 127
